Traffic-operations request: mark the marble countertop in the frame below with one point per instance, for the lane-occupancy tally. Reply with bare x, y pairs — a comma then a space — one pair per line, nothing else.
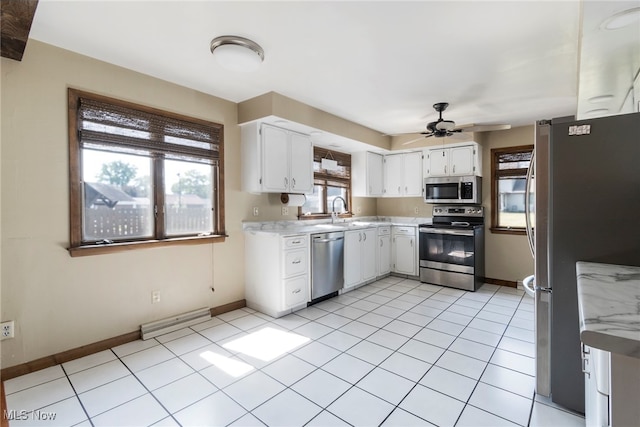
609, 307
318, 226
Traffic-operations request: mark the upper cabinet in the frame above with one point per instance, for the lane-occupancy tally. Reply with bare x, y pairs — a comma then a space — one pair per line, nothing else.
276, 160
403, 174
390, 175
367, 174
459, 160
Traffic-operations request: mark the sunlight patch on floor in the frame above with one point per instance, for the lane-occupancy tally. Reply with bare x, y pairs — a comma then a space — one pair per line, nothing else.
267, 343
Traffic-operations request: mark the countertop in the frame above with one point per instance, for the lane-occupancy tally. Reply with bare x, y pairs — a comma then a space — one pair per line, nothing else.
319, 226
609, 307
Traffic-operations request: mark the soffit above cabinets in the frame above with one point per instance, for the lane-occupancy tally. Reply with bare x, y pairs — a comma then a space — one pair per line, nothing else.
322, 138
609, 61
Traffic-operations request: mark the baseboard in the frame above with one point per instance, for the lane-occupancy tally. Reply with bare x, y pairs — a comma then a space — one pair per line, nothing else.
507, 283
228, 307
86, 350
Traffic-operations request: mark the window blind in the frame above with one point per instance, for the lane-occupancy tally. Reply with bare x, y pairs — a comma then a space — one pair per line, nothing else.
108, 125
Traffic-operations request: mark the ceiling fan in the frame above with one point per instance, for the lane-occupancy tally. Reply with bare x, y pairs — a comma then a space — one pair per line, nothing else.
441, 128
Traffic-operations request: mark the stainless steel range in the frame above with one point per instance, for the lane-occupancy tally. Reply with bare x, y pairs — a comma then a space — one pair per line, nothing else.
452, 247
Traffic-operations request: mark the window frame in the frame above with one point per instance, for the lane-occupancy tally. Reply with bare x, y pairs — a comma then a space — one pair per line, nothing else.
77, 247
496, 174
322, 178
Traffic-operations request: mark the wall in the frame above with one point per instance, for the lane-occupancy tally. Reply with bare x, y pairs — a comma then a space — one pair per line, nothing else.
507, 256
59, 302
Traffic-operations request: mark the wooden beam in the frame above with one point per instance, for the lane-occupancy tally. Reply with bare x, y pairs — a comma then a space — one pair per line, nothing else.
15, 24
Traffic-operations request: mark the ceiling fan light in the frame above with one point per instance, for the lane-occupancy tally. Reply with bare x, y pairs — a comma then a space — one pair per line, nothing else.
236, 53
445, 125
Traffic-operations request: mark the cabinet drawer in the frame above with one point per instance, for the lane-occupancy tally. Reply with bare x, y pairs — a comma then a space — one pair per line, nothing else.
295, 291
295, 262
384, 230
407, 231
295, 242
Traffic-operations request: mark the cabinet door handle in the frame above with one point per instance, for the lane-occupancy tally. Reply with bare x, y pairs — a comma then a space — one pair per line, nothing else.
359, 237
381, 243
445, 168
454, 168
364, 236
293, 183
296, 262
296, 291
399, 189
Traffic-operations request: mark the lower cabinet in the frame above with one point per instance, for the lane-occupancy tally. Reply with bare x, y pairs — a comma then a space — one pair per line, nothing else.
404, 250
359, 257
384, 250
276, 272
612, 386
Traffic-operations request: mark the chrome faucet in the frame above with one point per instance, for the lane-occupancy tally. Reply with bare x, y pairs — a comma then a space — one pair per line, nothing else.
334, 215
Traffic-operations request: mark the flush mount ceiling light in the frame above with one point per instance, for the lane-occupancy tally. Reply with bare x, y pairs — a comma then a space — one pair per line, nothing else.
237, 53
622, 19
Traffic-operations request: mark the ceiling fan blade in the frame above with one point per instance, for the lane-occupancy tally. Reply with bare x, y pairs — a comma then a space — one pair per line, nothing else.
472, 127
415, 140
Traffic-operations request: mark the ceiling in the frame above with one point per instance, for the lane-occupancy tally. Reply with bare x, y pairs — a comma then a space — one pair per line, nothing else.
381, 64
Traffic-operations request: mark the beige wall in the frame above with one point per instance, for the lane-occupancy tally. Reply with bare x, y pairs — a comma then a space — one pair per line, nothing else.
507, 256
59, 302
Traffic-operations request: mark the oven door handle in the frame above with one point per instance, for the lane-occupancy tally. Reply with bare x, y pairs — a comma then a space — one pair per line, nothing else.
446, 231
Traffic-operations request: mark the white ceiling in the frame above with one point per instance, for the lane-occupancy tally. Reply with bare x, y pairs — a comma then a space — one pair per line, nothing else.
382, 64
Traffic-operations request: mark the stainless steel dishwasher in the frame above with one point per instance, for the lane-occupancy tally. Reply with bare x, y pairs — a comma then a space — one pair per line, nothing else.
327, 263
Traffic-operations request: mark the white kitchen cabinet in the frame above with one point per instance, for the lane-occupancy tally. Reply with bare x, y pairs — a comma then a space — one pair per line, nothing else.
458, 160
404, 250
276, 160
359, 257
403, 174
276, 272
384, 250
367, 174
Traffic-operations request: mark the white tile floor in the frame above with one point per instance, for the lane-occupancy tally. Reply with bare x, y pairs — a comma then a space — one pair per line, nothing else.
395, 353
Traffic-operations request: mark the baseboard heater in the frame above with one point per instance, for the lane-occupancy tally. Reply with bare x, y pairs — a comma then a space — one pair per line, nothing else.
170, 324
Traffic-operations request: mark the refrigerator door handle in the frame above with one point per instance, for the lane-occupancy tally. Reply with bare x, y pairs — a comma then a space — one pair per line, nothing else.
527, 204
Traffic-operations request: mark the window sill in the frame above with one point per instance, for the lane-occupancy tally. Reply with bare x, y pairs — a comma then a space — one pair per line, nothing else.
88, 250
507, 230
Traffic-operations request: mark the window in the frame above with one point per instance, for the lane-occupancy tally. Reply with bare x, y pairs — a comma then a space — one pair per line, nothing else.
509, 168
141, 176
328, 186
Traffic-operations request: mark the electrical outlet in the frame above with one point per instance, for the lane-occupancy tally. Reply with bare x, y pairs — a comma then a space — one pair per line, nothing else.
416, 210
155, 297
7, 329
256, 211
359, 210
285, 210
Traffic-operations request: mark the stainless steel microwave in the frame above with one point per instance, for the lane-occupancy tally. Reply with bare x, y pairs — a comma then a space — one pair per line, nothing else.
453, 189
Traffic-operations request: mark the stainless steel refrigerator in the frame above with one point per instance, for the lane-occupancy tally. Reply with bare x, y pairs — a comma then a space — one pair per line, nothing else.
585, 206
